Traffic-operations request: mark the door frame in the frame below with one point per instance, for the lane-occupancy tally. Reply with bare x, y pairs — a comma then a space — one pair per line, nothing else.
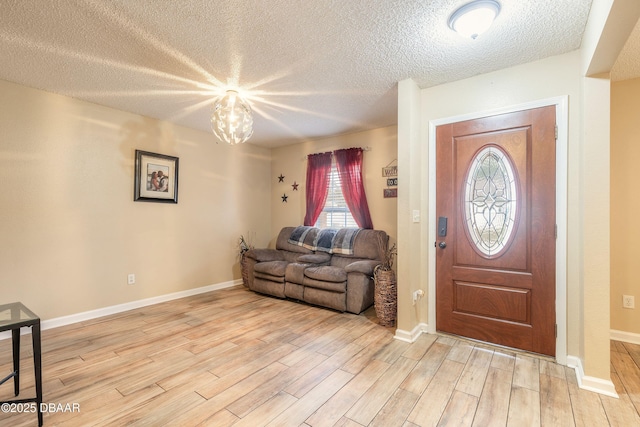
562, 162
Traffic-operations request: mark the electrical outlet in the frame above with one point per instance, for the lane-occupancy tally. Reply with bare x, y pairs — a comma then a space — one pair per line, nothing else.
628, 301
131, 279
417, 295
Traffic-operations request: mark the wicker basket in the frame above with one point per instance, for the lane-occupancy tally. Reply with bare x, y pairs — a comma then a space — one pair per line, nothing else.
385, 297
244, 269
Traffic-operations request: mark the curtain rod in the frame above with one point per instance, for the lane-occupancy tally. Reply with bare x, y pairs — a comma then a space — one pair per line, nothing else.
367, 148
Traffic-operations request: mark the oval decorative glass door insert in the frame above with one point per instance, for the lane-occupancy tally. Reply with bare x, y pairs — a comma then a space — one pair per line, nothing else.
490, 201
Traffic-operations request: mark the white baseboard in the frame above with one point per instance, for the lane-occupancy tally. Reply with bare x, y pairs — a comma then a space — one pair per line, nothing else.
629, 337
115, 309
594, 384
411, 336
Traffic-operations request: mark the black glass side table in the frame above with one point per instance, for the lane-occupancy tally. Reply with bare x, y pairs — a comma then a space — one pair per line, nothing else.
13, 317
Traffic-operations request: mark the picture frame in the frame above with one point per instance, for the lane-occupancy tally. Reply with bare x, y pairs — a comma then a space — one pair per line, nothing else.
156, 178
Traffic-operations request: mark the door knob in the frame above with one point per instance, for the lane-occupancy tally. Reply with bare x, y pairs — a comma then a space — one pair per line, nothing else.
442, 245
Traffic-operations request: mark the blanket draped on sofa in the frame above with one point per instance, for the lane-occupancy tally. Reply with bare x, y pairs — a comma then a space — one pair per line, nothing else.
329, 240
302, 236
344, 240
324, 240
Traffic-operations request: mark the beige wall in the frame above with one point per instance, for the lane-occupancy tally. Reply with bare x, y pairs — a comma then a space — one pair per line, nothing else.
291, 162
413, 262
69, 227
625, 203
594, 238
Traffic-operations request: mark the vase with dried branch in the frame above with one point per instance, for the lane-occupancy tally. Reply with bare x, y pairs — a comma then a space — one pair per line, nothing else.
385, 296
244, 247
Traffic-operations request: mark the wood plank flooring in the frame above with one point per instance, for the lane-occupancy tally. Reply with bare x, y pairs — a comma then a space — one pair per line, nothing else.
233, 357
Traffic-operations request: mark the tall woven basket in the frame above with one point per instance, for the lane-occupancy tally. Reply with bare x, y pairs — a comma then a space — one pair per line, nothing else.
385, 296
244, 269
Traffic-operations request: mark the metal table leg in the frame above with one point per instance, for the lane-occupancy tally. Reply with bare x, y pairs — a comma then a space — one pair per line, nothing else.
15, 335
37, 362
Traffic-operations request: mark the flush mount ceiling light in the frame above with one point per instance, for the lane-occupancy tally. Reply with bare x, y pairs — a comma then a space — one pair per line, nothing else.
231, 118
474, 18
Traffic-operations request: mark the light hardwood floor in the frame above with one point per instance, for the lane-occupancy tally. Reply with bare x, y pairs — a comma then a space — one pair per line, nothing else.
232, 357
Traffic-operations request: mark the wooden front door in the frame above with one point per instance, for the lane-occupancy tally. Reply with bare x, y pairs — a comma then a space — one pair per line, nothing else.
495, 267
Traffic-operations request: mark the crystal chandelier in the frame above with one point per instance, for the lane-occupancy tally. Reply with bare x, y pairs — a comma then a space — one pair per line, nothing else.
231, 118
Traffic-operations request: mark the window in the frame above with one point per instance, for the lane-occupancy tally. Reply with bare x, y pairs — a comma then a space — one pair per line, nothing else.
335, 190
490, 201
335, 213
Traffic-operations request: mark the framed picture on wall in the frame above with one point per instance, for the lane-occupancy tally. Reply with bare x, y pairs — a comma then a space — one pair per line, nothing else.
156, 178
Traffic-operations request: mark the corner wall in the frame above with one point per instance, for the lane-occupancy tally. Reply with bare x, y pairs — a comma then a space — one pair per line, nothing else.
291, 162
625, 203
413, 172
609, 25
70, 229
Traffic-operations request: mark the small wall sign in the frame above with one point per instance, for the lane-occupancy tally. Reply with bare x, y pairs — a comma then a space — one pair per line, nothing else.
390, 192
389, 171
392, 182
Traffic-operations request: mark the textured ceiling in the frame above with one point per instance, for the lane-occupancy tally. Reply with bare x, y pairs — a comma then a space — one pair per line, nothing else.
314, 68
627, 65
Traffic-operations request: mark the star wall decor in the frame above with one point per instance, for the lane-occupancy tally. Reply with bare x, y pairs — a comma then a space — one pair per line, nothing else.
284, 198
295, 186
281, 178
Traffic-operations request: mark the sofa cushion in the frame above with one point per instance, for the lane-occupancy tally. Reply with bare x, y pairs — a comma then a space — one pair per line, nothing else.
295, 272
272, 268
326, 273
318, 258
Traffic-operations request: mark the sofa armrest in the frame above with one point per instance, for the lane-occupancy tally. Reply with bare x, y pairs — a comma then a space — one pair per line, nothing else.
319, 258
265, 255
364, 267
